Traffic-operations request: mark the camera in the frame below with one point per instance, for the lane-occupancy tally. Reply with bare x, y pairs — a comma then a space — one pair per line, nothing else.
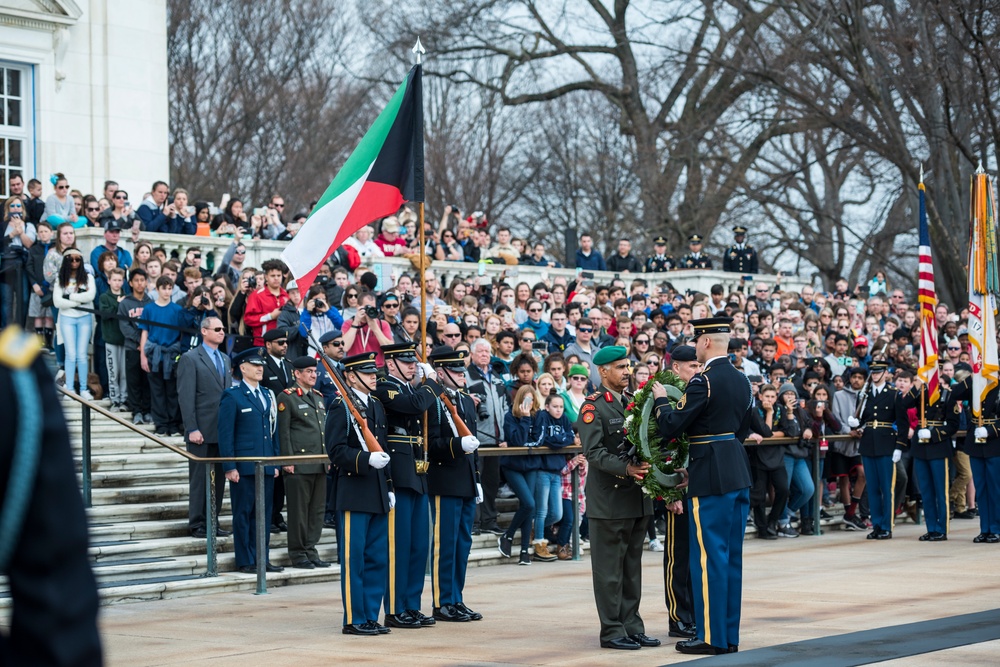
204, 300
319, 307
321, 280
371, 312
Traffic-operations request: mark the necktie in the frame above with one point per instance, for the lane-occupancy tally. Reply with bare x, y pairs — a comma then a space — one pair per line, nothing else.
260, 397
218, 364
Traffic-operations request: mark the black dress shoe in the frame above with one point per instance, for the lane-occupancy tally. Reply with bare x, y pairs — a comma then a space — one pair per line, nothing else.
698, 647
874, 534
981, 538
424, 620
450, 613
884, 535
473, 615
219, 532
319, 562
247, 569
199, 533
363, 629
274, 568
379, 628
403, 620
992, 538
330, 523
925, 537
275, 530
493, 528
733, 648
643, 640
304, 565
621, 644
282, 526
682, 629
935, 537
766, 534
967, 514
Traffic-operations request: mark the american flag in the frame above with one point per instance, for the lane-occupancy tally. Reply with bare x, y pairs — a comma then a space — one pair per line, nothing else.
928, 301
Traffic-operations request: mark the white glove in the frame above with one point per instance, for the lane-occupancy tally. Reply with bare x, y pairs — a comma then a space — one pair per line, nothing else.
924, 434
853, 422
896, 455
378, 460
426, 371
470, 443
392, 500
479, 493
981, 432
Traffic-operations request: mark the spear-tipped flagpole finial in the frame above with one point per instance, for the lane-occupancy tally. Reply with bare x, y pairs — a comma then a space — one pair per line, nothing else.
979, 169
419, 49
921, 172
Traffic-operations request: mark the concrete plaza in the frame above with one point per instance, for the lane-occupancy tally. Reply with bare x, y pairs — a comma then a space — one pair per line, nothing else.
794, 589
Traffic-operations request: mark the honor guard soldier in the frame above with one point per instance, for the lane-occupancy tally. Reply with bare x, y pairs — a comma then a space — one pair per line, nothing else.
617, 509
409, 521
714, 412
741, 256
333, 347
301, 421
695, 259
277, 377
660, 261
364, 498
453, 483
929, 450
248, 427
982, 444
43, 528
881, 446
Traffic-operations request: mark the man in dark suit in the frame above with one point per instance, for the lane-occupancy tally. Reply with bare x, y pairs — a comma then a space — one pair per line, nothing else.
405, 406
248, 427
364, 498
454, 486
202, 375
714, 412
277, 378
617, 509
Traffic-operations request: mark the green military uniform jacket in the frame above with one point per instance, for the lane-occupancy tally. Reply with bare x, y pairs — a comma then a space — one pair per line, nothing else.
611, 493
301, 424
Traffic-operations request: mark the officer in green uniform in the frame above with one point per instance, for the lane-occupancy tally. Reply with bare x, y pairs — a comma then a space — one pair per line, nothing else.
301, 423
741, 256
695, 259
617, 509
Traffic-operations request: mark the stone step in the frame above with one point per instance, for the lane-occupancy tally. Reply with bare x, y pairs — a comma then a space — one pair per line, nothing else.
163, 459
117, 479
140, 494
152, 511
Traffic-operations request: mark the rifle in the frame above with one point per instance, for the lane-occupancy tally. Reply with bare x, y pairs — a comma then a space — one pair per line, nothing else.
460, 425
354, 406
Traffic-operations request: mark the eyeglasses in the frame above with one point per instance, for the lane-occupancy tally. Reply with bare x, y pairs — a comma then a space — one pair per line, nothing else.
527, 340
196, 255
75, 260
452, 335
337, 343
389, 304
283, 341
90, 209
62, 187
240, 252
585, 329
534, 310
643, 341
352, 296
15, 206
119, 197
956, 349
216, 329
278, 205
581, 378
653, 362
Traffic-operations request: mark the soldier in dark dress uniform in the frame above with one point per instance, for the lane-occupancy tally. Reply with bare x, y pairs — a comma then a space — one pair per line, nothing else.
248, 427
982, 444
930, 449
43, 532
301, 420
333, 347
454, 486
741, 257
714, 412
364, 498
617, 509
881, 446
277, 378
660, 262
409, 522
695, 259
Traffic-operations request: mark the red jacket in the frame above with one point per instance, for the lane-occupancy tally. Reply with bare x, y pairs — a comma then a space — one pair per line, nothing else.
259, 304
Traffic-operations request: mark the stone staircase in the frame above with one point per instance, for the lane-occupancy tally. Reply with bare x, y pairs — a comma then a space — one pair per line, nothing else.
140, 545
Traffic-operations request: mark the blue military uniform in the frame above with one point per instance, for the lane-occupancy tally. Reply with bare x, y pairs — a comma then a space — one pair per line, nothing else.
714, 412
248, 427
930, 461
363, 504
452, 481
409, 521
884, 408
984, 459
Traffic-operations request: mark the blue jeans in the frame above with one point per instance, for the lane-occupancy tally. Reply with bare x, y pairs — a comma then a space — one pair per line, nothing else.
548, 501
75, 332
800, 487
523, 486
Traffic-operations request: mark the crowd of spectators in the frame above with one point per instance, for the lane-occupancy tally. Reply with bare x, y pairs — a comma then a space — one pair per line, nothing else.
805, 351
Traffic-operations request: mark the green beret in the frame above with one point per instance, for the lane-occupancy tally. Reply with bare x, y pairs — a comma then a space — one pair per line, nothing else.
610, 354
579, 369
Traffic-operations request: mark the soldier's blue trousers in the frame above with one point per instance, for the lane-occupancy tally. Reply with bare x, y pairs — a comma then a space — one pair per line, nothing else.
880, 473
409, 541
986, 476
245, 518
364, 566
452, 541
932, 479
717, 525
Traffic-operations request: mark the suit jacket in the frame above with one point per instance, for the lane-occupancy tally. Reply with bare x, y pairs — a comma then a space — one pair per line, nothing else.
452, 472
246, 428
360, 487
716, 403
611, 493
277, 378
199, 389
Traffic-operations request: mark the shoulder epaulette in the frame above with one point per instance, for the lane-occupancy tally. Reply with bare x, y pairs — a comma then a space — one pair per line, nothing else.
288, 391
18, 349
593, 397
317, 391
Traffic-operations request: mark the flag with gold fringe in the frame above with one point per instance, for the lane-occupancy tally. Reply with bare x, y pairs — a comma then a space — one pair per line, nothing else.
984, 286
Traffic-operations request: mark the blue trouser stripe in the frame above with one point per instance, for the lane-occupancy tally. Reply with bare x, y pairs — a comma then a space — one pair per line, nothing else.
452, 545
878, 474
367, 566
932, 480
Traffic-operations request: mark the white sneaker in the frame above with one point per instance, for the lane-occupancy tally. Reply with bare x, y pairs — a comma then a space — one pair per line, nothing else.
61, 377
655, 545
86, 395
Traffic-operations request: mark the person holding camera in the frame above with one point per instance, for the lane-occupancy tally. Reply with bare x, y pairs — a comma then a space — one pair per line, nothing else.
365, 332
317, 316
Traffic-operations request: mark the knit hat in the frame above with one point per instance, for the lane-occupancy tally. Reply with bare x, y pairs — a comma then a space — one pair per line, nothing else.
578, 369
788, 386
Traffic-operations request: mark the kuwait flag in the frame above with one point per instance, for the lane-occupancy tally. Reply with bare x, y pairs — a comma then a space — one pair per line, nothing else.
385, 171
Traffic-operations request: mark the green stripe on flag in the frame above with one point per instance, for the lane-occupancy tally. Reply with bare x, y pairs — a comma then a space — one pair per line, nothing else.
364, 155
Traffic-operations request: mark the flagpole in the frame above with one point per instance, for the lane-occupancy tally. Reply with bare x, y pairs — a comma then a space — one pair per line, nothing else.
923, 385
418, 49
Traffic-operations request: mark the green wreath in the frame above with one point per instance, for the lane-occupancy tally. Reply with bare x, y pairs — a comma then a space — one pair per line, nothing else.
642, 432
